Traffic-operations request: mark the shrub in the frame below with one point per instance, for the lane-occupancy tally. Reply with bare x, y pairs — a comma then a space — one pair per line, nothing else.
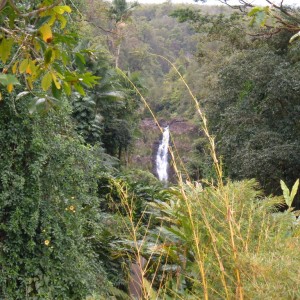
48, 186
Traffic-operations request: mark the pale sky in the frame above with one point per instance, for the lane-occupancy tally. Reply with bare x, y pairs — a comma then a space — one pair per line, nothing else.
215, 2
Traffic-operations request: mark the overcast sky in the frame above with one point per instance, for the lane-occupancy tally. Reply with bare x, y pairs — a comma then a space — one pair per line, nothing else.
257, 2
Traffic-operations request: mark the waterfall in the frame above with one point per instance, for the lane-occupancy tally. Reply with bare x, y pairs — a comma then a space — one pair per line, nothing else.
162, 156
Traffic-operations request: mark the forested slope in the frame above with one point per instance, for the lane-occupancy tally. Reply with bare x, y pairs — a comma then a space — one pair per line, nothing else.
246, 83
80, 220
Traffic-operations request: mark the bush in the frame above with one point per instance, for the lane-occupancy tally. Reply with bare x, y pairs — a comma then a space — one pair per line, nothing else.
48, 186
221, 243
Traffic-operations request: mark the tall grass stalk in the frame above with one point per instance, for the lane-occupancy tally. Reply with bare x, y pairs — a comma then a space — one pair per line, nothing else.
218, 169
219, 173
229, 233
138, 239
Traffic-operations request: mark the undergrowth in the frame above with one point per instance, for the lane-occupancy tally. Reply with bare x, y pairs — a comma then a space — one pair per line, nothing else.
224, 241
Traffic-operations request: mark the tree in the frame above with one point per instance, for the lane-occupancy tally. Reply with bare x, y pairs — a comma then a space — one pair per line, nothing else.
254, 113
120, 13
109, 113
253, 105
272, 18
36, 44
121, 115
49, 203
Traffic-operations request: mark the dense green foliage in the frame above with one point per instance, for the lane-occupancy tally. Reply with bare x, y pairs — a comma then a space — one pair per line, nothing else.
255, 114
78, 221
253, 103
109, 113
51, 221
197, 229
48, 198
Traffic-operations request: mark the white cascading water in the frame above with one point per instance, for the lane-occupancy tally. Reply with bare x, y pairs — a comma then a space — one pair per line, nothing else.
162, 156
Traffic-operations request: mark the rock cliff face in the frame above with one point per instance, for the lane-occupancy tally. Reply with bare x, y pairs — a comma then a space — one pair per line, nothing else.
145, 147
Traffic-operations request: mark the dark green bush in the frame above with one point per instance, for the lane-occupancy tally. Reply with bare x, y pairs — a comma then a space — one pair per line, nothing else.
48, 185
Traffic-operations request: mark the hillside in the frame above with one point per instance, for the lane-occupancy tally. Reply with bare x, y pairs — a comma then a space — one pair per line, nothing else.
93, 96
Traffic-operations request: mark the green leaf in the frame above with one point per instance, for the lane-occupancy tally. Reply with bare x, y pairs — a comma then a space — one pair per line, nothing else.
46, 81
42, 21
261, 18
35, 103
294, 190
176, 232
89, 79
80, 61
151, 293
55, 80
42, 105
5, 49
67, 88
46, 32
259, 15
23, 65
79, 89
289, 197
65, 58
22, 94
255, 10
7, 79
55, 91
286, 193
62, 9
12, 16
63, 21
81, 57
48, 55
